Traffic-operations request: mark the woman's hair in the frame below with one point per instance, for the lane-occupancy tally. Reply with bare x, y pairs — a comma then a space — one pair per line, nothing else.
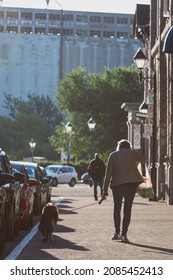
123, 144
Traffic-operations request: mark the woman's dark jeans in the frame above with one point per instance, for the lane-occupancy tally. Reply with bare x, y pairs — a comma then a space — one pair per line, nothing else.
126, 191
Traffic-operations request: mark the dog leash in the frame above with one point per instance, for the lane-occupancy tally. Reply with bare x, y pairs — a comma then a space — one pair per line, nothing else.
87, 205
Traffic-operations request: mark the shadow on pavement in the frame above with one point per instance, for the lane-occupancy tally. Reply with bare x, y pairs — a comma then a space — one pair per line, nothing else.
61, 228
163, 250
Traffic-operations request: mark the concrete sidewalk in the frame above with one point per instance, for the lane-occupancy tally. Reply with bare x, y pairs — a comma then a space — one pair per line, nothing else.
85, 233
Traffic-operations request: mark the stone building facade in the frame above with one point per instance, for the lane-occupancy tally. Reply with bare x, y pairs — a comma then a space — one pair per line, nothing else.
157, 46
39, 46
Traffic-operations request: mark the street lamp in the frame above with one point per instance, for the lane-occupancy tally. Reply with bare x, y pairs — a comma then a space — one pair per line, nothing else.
91, 125
140, 60
68, 131
32, 145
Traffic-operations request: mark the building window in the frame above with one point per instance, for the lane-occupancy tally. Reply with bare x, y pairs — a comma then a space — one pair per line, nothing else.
12, 15
68, 32
1, 29
54, 17
12, 29
80, 18
1, 14
95, 33
166, 9
122, 20
40, 31
26, 16
26, 30
95, 19
54, 31
108, 34
40, 16
109, 19
122, 35
68, 17
81, 33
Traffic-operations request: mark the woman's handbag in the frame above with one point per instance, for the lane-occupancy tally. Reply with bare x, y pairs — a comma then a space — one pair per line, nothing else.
145, 189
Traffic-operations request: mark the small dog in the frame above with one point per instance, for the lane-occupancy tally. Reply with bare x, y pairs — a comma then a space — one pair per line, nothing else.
49, 218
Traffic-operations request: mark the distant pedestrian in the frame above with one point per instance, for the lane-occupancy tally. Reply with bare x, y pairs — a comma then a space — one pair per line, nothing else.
123, 177
96, 170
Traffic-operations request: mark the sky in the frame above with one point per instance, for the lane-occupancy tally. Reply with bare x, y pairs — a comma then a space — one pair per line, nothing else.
110, 6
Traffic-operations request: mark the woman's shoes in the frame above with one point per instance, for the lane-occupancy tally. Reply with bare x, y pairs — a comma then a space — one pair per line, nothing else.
116, 236
124, 239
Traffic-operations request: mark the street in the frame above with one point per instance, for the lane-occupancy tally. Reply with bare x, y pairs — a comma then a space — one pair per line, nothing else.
85, 228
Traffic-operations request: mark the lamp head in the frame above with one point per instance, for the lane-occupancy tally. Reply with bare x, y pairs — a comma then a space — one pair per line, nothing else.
91, 124
32, 143
68, 128
140, 59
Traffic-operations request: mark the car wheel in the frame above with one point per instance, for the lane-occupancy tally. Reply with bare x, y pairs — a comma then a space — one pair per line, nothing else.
2, 236
72, 182
54, 182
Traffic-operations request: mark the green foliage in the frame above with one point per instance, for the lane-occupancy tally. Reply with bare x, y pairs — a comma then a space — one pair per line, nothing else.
100, 96
37, 105
34, 118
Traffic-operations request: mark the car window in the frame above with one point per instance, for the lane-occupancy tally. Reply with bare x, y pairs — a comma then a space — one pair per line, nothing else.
51, 169
31, 171
61, 170
16, 167
71, 169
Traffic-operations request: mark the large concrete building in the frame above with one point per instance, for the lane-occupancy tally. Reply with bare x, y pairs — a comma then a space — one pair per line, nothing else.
39, 46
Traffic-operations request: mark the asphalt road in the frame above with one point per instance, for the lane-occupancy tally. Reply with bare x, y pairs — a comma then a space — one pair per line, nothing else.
85, 228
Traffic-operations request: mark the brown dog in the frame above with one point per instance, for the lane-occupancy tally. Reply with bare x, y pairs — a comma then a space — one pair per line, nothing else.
49, 218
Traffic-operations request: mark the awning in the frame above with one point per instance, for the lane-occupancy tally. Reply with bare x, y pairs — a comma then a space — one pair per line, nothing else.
168, 42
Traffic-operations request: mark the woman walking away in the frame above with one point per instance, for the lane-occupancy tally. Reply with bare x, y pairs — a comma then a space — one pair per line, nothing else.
123, 176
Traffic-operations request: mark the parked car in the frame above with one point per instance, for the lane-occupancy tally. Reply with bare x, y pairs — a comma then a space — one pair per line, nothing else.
42, 189
27, 191
86, 179
49, 184
62, 174
5, 178
12, 189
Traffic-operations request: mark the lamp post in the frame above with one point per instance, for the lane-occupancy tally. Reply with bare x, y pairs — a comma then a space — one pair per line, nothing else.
32, 145
91, 125
68, 131
140, 60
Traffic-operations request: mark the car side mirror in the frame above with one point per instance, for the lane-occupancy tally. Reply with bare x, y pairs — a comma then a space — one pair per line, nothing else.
45, 180
32, 182
6, 178
18, 176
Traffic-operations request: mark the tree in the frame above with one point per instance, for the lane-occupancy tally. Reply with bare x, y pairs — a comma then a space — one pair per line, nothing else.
34, 118
42, 105
81, 96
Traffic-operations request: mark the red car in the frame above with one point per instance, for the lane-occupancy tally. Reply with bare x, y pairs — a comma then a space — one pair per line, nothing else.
26, 196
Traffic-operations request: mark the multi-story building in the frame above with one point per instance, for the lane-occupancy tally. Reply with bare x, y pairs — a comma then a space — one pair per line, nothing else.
39, 46
158, 48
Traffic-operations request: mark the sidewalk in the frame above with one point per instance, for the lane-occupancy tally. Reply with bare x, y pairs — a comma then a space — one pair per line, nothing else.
85, 233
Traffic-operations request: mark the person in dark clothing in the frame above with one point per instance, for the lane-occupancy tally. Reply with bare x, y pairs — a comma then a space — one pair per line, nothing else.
123, 177
96, 170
